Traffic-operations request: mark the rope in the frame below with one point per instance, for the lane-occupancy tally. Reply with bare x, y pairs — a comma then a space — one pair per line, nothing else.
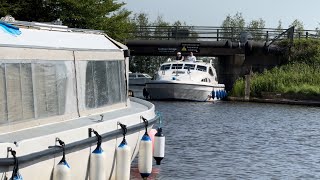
99, 138
145, 123
16, 163
124, 131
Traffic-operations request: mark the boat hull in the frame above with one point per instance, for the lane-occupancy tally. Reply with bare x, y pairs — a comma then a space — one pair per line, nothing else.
78, 159
168, 90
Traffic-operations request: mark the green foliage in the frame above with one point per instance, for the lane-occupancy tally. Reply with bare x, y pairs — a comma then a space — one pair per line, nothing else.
106, 15
279, 27
301, 74
233, 25
296, 78
150, 64
303, 51
238, 88
255, 27
298, 26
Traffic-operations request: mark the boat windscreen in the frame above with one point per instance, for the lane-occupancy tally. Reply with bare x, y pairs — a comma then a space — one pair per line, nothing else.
165, 67
177, 66
191, 66
202, 68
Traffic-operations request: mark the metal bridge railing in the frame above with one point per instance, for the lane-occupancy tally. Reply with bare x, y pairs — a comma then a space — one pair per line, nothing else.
211, 33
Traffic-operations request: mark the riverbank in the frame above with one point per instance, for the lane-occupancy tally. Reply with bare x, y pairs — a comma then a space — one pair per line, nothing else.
277, 101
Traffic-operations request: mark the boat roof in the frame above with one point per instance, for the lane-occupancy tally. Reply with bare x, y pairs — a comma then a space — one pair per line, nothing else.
31, 34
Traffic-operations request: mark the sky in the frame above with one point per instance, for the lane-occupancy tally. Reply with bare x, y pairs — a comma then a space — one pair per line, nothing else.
213, 12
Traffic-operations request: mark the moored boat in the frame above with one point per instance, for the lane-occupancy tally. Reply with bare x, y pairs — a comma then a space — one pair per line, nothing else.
137, 82
184, 80
57, 83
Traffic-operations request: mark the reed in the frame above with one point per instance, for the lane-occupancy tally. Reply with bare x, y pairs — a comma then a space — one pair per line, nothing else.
295, 78
299, 76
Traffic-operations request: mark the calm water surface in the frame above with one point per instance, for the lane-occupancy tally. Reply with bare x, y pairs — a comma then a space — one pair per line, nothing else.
228, 140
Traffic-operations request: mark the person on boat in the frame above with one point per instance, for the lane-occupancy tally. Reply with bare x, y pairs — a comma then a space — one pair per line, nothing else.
192, 58
179, 57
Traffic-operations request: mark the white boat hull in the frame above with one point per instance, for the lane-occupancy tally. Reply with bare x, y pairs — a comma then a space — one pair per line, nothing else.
79, 159
171, 90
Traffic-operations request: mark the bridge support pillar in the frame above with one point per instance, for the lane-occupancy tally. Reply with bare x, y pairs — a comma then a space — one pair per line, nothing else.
229, 68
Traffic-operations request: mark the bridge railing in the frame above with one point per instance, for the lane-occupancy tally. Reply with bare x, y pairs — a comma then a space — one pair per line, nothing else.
211, 33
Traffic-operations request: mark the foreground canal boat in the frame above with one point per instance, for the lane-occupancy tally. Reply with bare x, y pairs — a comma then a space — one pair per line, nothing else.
65, 89
183, 80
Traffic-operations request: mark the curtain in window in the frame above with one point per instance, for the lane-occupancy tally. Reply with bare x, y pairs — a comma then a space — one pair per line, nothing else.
105, 83
3, 98
14, 95
27, 91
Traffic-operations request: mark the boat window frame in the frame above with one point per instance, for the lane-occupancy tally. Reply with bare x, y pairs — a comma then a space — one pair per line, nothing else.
206, 68
189, 65
177, 65
165, 65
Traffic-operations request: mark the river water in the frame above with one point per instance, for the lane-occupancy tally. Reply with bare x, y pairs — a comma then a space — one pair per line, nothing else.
232, 140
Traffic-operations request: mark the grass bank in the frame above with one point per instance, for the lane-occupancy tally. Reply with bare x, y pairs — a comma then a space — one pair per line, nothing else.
299, 78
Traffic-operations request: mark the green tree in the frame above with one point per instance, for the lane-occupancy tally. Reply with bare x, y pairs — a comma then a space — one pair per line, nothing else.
279, 27
232, 26
161, 30
140, 23
298, 27
255, 27
106, 15
148, 64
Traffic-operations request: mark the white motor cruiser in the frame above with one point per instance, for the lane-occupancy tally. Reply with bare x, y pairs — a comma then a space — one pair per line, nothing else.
184, 80
59, 84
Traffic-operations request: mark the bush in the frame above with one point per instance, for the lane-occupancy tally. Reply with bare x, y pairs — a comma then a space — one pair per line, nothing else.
297, 78
300, 75
303, 51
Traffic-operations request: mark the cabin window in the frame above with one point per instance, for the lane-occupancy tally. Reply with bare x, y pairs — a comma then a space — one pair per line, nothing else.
201, 68
165, 67
31, 90
211, 72
176, 66
206, 80
191, 66
105, 83
132, 75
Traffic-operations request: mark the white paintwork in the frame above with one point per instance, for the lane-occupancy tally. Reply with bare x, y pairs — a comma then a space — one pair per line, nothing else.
145, 157
184, 83
37, 135
159, 146
57, 39
97, 166
138, 79
61, 172
123, 161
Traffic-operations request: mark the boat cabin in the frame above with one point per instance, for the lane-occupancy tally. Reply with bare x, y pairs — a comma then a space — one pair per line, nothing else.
203, 67
199, 71
50, 73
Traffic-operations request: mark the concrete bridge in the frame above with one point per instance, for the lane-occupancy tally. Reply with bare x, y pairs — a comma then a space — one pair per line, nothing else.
238, 51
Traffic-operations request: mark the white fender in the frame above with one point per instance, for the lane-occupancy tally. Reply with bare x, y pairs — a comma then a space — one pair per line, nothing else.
145, 156
123, 159
159, 146
62, 171
97, 164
